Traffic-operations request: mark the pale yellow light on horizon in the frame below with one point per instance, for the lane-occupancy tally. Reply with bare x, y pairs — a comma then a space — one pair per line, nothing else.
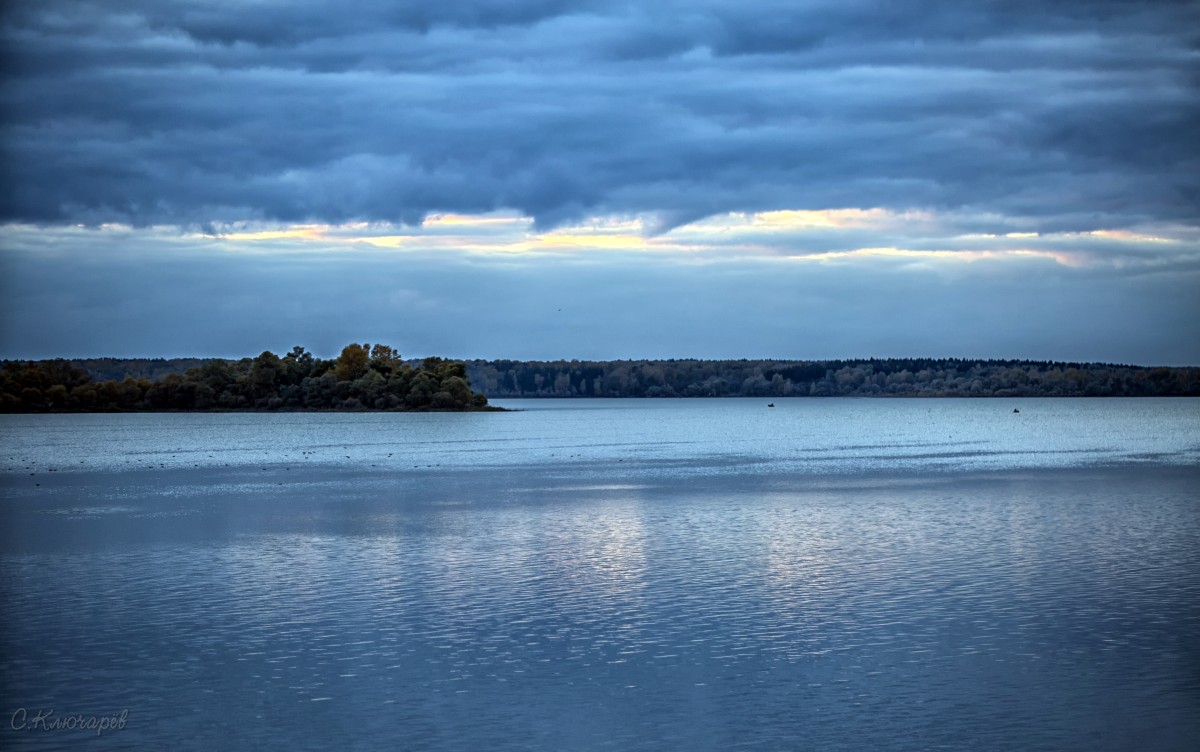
476, 220
1128, 235
621, 241
799, 218
384, 241
1059, 257
296, 232
727, 236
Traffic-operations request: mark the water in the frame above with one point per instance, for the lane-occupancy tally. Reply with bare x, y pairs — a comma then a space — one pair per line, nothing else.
827, 574
703, 436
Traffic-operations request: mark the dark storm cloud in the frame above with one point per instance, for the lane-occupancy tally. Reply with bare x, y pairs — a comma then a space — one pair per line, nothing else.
1069, 116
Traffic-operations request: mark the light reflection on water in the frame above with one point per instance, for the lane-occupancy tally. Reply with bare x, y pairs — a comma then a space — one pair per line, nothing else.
607, 604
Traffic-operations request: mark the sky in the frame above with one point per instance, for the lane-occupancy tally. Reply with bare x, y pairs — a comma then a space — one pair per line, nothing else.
548, 179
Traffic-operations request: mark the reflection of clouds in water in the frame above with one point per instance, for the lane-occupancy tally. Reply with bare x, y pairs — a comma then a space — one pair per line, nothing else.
827, 559
796, 570
802, 576
279, 570
600, 487
604, 556
132, 513
302, 599
91, 511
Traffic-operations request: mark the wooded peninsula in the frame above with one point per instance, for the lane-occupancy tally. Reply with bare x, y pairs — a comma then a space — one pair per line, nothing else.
366, 377
363, 377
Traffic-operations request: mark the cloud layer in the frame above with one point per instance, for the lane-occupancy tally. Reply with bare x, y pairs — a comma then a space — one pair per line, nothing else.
1058, 117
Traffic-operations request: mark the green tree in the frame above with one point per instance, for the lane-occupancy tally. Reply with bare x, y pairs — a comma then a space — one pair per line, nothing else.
421, 392
352, 363
385, 359
298, 365
369, 387
57, 396
457, 389
264, 375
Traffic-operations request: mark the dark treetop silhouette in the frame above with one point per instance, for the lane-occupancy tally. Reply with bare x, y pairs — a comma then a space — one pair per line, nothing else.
363, 377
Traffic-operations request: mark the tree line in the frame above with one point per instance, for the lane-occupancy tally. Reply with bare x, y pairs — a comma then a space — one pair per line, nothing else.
362, 377
366, 377
898, 377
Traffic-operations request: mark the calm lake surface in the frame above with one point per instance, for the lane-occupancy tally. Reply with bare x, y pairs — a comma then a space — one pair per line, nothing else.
608, 574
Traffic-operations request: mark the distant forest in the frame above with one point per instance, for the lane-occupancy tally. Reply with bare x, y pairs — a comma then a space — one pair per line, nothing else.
917, 377
363, 377
366, 377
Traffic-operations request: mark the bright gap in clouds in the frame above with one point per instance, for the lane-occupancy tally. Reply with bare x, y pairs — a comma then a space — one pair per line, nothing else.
806, 235
797, 285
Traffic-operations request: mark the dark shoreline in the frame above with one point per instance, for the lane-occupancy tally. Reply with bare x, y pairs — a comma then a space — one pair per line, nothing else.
261, 410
